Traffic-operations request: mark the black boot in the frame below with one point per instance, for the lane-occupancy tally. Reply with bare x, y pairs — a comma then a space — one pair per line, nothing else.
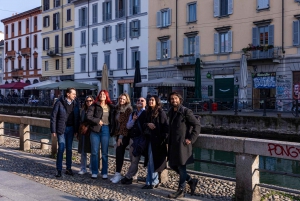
178, 194
193, 183
58, 174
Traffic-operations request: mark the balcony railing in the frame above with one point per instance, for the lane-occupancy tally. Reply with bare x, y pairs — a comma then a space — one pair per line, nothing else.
274, 53
25, 51
186, 60
106, 16
120, 13
54, 51
17, 73
11, 54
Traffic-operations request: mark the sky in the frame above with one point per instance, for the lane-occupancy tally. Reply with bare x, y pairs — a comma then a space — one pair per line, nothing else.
8, 7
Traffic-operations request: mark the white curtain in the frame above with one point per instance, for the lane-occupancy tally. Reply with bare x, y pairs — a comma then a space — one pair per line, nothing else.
243, 80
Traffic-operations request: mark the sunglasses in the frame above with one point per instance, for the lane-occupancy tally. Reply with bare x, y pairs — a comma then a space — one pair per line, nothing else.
89, 101
140, 100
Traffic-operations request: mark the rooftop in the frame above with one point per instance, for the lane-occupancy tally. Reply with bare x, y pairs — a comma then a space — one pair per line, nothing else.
21, 14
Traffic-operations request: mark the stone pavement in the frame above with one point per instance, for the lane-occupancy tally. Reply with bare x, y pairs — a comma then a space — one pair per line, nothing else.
14, 187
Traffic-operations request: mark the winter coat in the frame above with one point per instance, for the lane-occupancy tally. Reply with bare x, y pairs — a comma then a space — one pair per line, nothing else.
87, 141
94, 115
59, 116
120, 123
158, 139
183, 125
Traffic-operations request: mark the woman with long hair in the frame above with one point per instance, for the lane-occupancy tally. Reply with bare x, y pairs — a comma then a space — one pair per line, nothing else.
121, 116
100, 116
155, 159
84, 143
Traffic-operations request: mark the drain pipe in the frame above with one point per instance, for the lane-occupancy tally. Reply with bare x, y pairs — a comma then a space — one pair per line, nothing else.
88, 24
62, 37
176, 32
126, 29
282, 18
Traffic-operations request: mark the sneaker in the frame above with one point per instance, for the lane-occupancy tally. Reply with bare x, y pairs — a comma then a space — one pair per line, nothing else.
114, 176
178, 194
58, 174
94, 176
104, 176
125, 180
69, 172
81, 172
193, 183
117, 178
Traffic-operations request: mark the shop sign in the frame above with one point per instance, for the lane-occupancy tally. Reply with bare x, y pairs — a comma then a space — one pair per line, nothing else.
264, 80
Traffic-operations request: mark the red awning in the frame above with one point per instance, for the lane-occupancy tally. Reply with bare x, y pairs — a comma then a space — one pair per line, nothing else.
14, 85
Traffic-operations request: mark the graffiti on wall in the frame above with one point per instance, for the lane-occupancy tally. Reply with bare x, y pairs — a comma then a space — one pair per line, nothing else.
283, 88
204, 91
285, 151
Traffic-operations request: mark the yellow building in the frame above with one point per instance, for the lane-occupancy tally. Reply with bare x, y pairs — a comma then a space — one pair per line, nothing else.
219, 32
58, 39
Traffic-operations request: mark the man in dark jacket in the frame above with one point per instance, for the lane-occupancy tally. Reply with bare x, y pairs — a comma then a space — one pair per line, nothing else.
184, 130
64, 123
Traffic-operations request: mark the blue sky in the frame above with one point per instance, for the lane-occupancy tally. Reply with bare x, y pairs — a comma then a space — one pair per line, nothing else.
8, 7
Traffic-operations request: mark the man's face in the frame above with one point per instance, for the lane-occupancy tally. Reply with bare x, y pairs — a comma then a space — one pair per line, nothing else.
141, 103
175, 101
72, 95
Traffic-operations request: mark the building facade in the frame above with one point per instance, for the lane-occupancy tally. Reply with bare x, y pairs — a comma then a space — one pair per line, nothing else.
114, 32
2, 53
22, 49
58, 40
220, 32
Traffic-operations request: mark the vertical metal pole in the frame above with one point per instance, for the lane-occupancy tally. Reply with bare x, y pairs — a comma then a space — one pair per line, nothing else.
264, 105
210, 106
235, 107
297, 112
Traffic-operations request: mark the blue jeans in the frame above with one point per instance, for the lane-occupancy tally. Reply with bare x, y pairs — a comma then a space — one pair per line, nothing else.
65, 141
152, 177
97, 138
183, 176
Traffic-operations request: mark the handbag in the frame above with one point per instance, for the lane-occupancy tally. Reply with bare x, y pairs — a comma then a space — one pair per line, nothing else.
147, 131
84, 128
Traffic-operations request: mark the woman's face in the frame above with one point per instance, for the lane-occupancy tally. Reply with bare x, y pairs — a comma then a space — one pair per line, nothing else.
122, 100
152, 102
102, 96
89, 101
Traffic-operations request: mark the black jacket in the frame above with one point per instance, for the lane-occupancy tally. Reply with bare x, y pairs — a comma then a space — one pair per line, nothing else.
183, 125
59, 117
94, 115
87, 142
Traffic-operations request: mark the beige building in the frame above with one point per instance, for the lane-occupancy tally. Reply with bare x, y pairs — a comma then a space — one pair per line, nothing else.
219, 32
58, 39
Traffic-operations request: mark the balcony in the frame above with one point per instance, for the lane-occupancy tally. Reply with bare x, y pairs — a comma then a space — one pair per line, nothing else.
120, 13
186, 60
11, 54
17, 73
54, 51
272, 55
26, 51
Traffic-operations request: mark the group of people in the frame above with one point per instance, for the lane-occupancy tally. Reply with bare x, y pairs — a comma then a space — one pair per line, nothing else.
149, 131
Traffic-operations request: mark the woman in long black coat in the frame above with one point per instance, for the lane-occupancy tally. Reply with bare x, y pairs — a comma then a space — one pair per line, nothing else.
155, 158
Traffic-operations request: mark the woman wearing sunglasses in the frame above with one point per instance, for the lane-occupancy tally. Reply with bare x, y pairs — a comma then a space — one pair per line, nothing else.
84, 143
100, 115
122, 113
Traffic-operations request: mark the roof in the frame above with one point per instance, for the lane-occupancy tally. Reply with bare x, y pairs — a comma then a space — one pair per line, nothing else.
20, 14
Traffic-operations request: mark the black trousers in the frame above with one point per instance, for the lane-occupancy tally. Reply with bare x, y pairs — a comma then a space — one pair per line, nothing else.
120, 152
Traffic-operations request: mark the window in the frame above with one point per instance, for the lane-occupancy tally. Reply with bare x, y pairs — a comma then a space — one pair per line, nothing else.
95, 36
191, 46
120, 59
27, 24
106, 8
69, 15
135, 56
163, 50
134, 7
134, 28
107, 34
83, 17
46, 5
19, 43
46, 21
57, 64
35, 62
191, 12
46, 66
20, 27
12, 64
120, 31
83, 38
56, 3
263, 36
68, 63
82, 62
68, 39
35, 41
46, 43
1, 64
223, 8
12, 45
95, 13
163, 18
6, 47
27, 41
263, 4
35, 22
27, 64
107, 59
12, 29
55, 21
94, 61
223, 42
120, 8
19, 63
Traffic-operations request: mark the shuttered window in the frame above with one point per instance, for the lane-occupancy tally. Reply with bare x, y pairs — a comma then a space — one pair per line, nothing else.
163, 50
191, 49
120, 31
263, 36
68, 14
68, 63
191, 11
135, 56
107, 34
95, 36
164, 18
296, 33
46, 21
263, 4
106, 10
134, 7
135, 28
83, 38
95, 13
55, 21
223, 8
120, 62
82, 14
107, 59
223, 42
83, 62
95, 61
68, 39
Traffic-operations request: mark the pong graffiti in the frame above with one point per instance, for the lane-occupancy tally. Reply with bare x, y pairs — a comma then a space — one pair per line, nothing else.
283, 150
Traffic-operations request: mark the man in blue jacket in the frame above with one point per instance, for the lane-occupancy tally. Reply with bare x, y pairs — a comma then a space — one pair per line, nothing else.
64, 124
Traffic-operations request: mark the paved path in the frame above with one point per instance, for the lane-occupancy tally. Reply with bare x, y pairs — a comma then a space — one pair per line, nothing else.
16, 188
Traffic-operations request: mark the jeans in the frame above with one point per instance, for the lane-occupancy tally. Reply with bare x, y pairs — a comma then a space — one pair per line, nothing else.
152, 177
183, 176
65, 141
83, 157
120, 151
96, 139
